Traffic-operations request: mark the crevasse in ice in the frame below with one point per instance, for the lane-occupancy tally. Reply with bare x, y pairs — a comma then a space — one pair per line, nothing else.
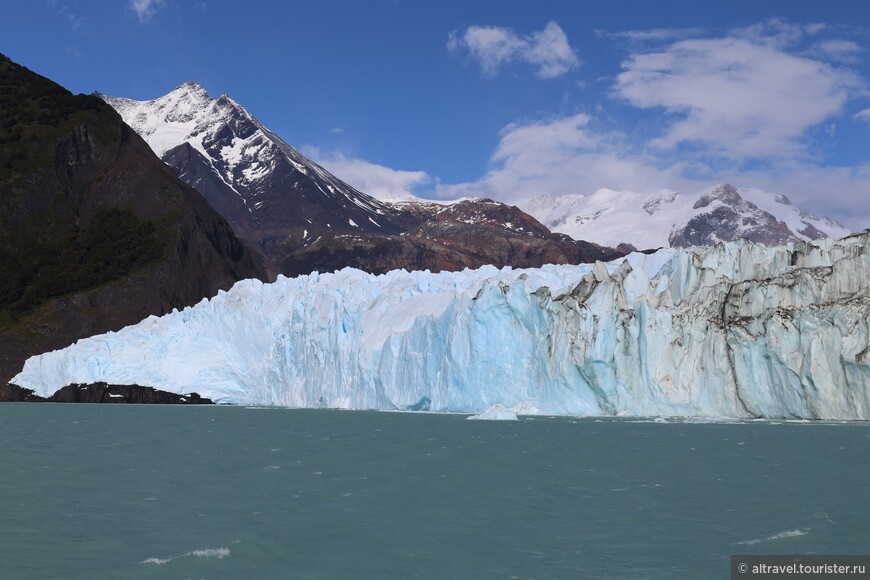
733, 330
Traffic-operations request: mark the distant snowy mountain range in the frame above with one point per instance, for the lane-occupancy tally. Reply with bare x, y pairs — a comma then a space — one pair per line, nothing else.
673, 219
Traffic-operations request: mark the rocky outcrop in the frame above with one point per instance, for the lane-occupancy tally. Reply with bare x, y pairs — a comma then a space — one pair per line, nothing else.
102, 393
10, 393
728, 217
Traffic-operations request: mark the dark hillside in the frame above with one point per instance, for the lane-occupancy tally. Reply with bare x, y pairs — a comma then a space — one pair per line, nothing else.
95, 231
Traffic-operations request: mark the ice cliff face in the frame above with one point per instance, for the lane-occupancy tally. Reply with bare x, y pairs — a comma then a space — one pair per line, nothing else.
732, 330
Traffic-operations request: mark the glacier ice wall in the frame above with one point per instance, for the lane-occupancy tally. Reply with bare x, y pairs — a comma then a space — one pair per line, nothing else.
734, 330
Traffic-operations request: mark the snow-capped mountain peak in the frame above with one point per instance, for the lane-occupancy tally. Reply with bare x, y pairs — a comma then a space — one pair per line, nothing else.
168, 120
274, 197
724, 192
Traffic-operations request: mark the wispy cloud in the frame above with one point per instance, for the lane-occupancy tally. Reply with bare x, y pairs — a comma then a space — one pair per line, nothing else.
652, 35
778, 33
838, 50
493, 47
74, 20
145, 9
863, 115
376, 180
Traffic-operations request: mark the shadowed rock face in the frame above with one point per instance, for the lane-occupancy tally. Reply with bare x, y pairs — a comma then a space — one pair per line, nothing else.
96, 233
730, 217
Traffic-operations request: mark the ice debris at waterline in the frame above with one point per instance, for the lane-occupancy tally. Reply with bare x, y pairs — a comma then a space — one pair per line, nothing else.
733, 330
497, 412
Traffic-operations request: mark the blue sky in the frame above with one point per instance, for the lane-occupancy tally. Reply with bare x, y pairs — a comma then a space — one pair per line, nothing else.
504, 99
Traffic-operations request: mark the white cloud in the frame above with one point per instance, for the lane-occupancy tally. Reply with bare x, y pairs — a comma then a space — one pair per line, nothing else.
376, 180
863, 115
740, 97
145, 9
494, 46
564, 155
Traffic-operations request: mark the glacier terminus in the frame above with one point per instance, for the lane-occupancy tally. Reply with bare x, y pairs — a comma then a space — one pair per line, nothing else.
732, 330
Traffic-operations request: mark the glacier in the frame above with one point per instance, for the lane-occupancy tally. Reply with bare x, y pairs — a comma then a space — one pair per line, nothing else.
732, 330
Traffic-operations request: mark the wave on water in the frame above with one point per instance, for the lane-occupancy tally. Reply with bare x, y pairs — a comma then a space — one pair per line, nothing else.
686, 420
211, 553
779, 536
218, 553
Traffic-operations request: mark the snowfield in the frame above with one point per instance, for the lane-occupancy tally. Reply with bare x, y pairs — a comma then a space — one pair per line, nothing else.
733, 330
646, 220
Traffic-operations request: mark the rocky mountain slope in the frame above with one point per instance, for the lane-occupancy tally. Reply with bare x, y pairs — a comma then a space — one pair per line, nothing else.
95, 231
466, 234
302, 218
672, 219
274, 197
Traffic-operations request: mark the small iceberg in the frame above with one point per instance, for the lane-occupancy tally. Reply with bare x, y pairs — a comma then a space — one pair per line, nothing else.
497, 412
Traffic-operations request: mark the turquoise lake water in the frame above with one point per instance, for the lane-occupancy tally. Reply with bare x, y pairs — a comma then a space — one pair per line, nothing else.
124, 491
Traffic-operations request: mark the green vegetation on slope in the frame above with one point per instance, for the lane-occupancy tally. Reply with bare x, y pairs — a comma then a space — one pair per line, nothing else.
34, 113
114, 244
47, 247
